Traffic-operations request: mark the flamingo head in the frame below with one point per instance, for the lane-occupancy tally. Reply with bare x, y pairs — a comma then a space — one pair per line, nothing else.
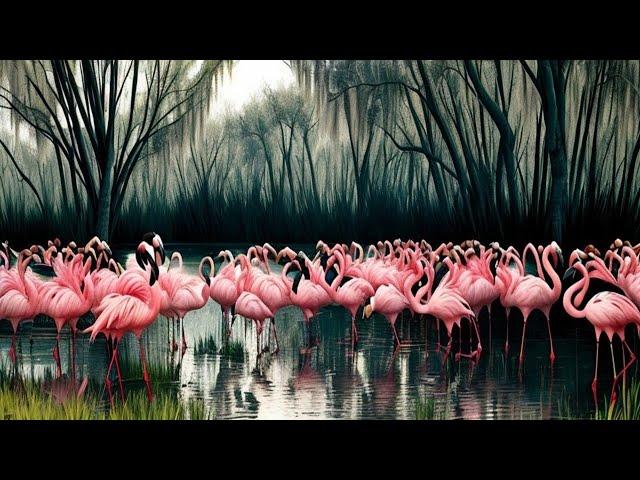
145, 257
369, 307
591, 249
576, 257
558, 251
155, 242
285, 255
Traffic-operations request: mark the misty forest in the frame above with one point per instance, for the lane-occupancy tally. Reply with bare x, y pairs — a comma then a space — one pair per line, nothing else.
514, 150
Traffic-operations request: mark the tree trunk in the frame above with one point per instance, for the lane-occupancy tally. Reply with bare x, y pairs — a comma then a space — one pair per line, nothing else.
552, 104
104, 202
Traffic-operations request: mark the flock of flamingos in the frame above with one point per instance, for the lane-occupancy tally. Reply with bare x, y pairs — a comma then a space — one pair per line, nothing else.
450, 283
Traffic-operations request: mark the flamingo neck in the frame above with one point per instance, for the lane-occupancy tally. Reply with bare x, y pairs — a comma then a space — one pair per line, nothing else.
555, 278
536, 257
568, 302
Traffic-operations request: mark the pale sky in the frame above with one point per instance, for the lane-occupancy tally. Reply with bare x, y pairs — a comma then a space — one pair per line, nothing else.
248, 79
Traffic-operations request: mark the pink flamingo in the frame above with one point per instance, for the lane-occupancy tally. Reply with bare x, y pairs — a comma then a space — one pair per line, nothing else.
608, 312
223, 287
133, 307
308, 294
252, 307
529, 293
270, 288
182, 293
104, 281
445, 303
18, 295
390, 302
66, 298
351, 295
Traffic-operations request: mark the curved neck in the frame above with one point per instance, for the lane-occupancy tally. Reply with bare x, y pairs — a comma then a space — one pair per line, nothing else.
583, 286
536, 257
555, 278
208, 260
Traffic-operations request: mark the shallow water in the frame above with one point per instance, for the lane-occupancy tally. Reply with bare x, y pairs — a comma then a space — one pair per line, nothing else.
330, 380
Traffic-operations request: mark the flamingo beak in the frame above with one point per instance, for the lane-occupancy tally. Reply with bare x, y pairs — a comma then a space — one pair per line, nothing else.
570, 273
368, 310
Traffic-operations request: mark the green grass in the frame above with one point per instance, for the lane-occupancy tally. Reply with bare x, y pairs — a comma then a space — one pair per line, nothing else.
160, 372
206, 346
234, 350
428, 409
626, 407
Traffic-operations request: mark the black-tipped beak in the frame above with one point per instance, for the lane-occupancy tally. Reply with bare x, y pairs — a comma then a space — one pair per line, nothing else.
570, 273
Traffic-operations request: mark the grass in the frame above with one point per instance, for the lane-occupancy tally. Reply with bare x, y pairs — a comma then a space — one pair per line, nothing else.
428, 409
161, 372
234, 350
626, 407
206, 346
32, 402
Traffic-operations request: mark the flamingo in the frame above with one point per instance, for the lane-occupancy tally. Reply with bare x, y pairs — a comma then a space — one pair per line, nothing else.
182, 293
269, 288
390, 302
608, 312
351, 294
133, 307
529, 292
308, 294
66, 298
18, 294
252, 307
445, 303
223, 286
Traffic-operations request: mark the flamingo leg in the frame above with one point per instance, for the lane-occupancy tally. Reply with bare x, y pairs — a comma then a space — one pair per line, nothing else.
107, 381
506, 344
120, 385
552, 355
12, 348
524, 331
594, 384
613, 387
395, 333
145, 373
258, 343
438, 326
73, 353
632, 359
56, 356
174, 345
275, 334
184, 339
448, 350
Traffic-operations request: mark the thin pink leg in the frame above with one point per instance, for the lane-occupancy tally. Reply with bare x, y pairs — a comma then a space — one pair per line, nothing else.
56, 356
120, 385
12, 348
275, 334
107, 381
184, 339
594, 384
524, 330
552, 355
506, 344
145, 373
613, 388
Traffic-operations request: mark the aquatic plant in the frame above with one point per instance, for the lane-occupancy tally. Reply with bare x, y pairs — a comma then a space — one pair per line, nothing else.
626, 407
234, 350
206, 346
428, 409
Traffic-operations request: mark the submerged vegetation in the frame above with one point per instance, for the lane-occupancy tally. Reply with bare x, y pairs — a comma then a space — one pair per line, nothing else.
484, 149
32, 401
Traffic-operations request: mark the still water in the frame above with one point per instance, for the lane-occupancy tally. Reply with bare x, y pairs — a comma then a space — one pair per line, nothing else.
329, 379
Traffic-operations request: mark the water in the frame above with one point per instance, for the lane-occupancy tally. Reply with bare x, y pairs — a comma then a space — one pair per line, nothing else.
329, 380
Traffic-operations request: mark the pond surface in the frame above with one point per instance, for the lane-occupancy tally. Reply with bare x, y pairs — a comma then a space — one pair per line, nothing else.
330, 380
